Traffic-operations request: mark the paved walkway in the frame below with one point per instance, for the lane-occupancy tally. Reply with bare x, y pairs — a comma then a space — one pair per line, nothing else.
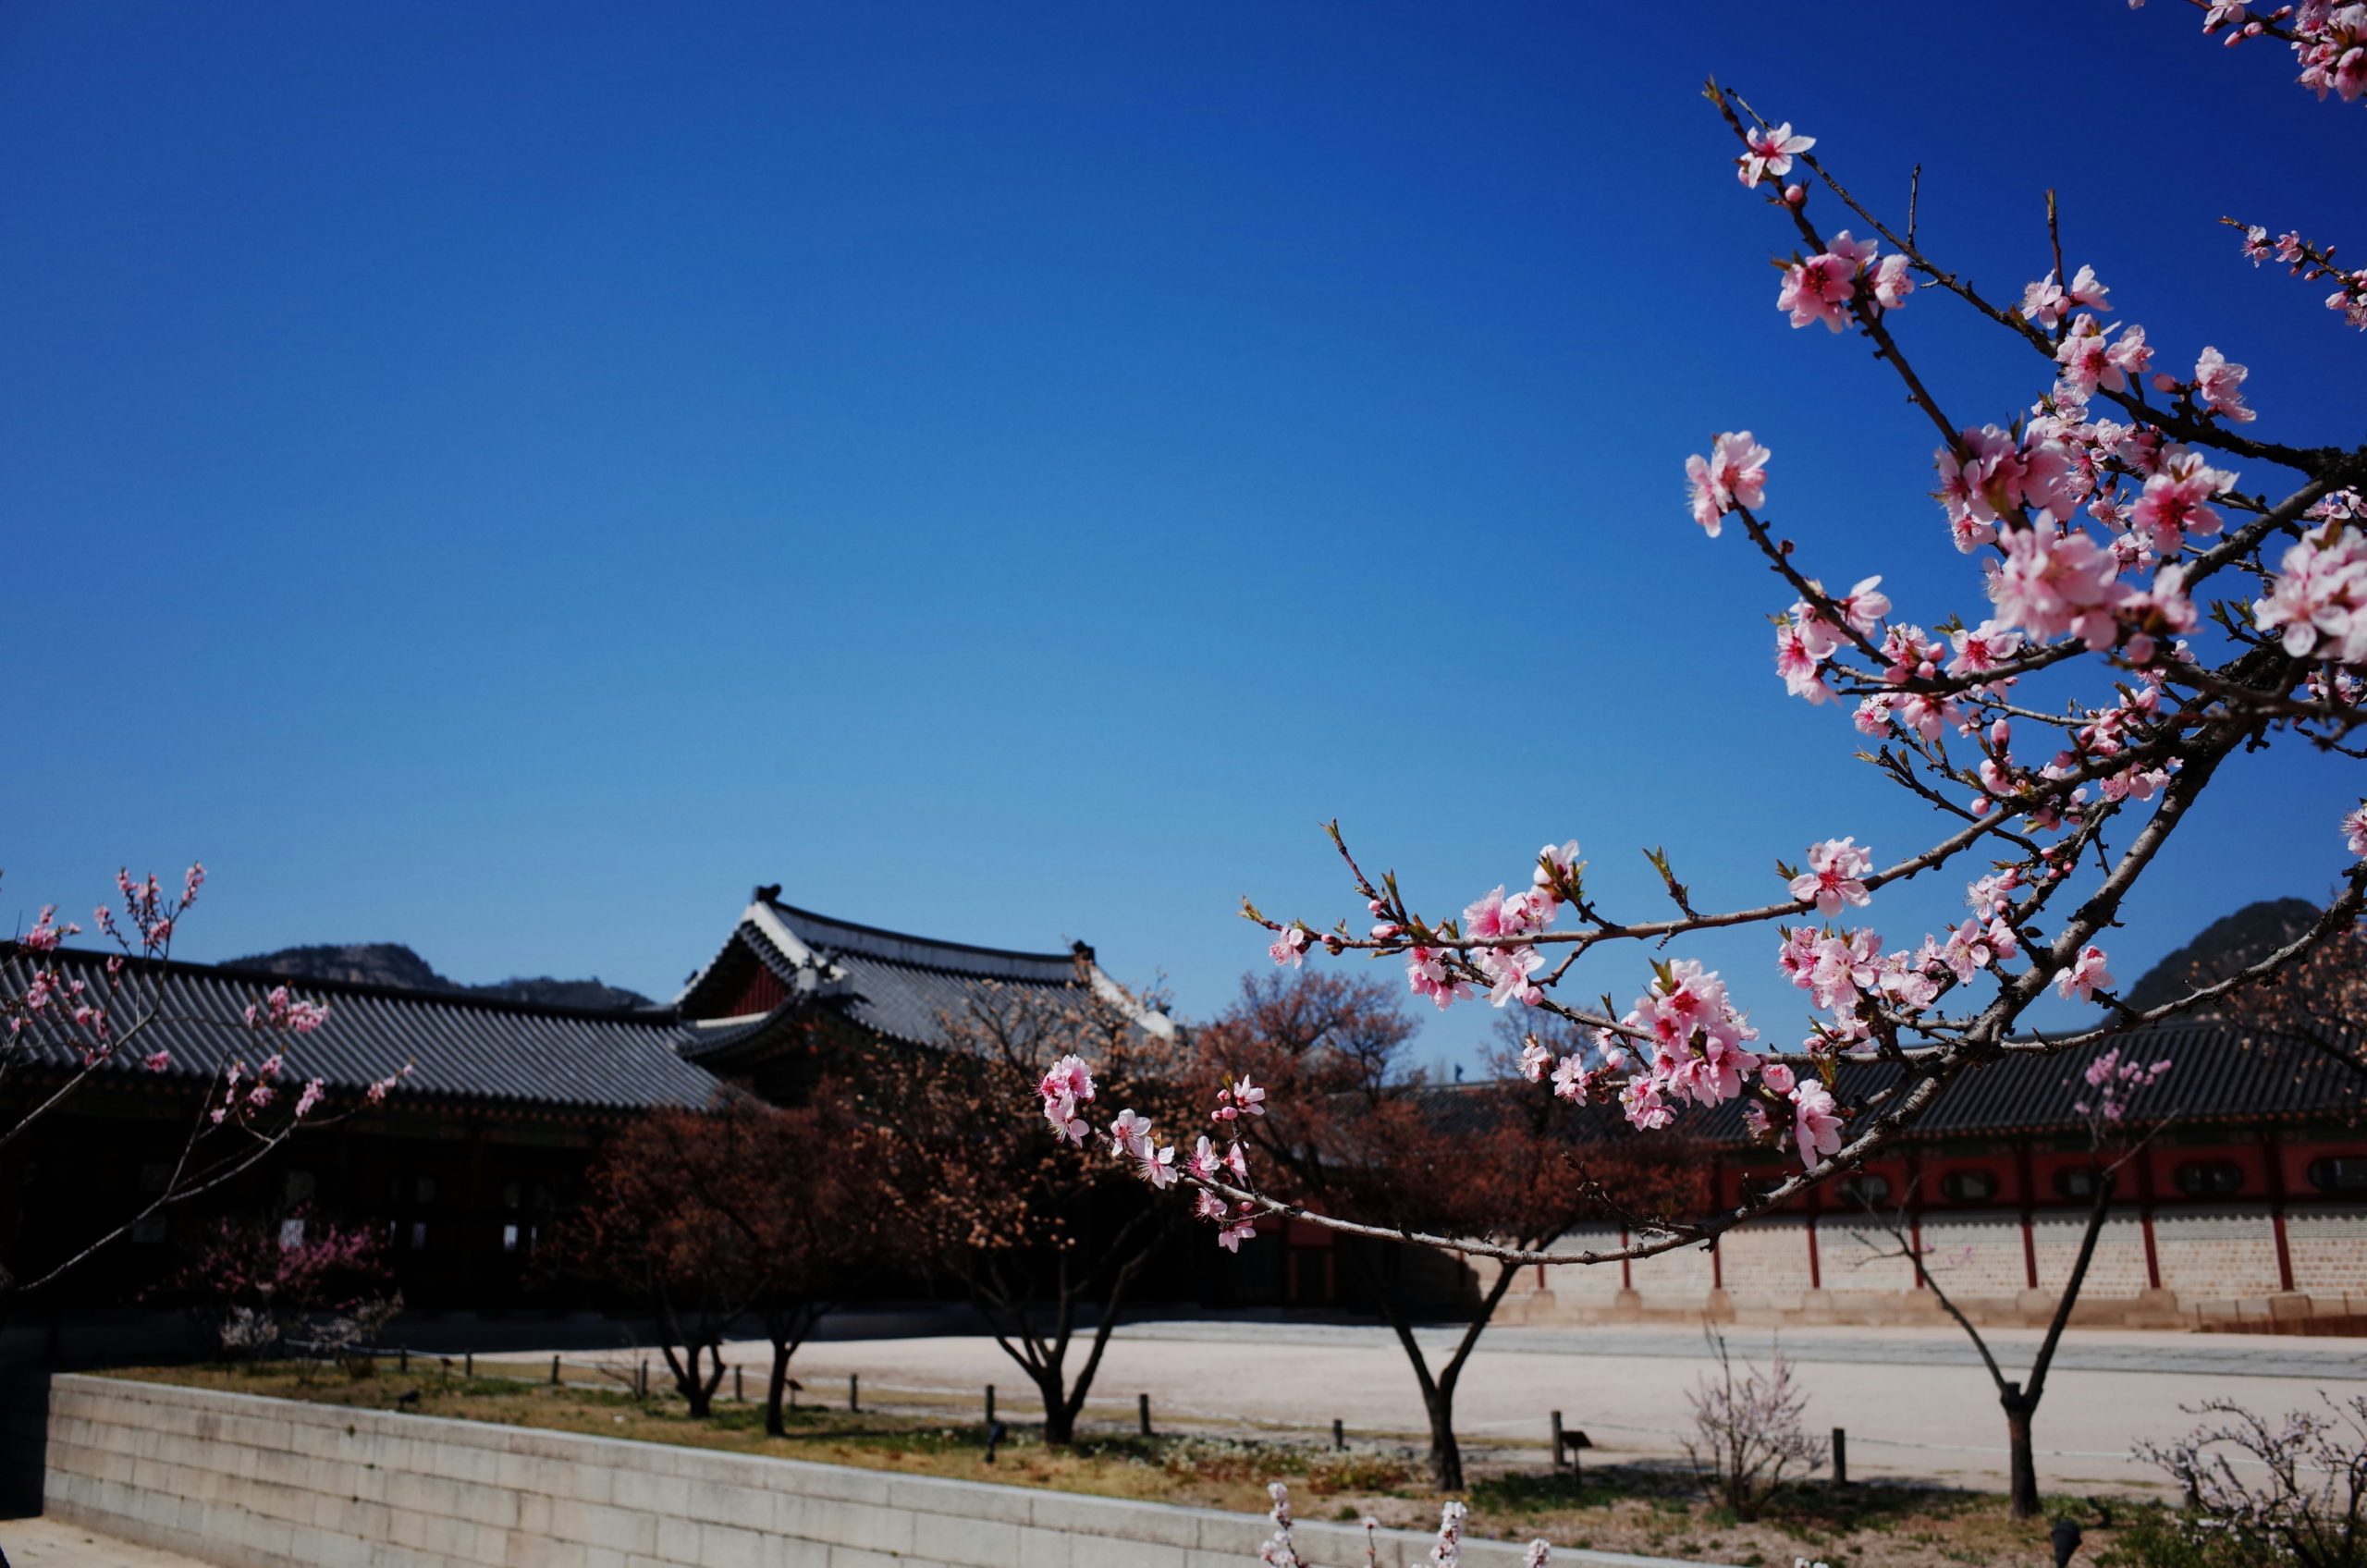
52, 1543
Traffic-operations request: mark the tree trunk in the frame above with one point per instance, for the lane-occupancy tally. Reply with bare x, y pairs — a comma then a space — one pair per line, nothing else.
775, 1389
1059, 1415
1446, 1454
696, 1392
2023, 1463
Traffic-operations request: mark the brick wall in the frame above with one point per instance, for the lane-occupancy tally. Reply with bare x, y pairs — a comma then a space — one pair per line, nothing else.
262, 1483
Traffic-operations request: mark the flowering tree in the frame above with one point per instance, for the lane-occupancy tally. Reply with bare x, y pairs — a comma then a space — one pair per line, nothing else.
2113, 1086
63, 1023
1040, 1240
1747, 1431
2140, 614
1354, 1133
717, 1215
2275, 1491
260, 1279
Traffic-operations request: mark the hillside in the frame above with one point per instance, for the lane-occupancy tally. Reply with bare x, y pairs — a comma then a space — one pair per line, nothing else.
2227, 944
392, 963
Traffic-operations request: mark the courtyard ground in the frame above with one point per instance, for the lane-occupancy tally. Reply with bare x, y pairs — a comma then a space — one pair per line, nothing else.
52, 1543
1916, 1402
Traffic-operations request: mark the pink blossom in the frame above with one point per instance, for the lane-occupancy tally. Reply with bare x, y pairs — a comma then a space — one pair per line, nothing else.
1640, 1098
1820, 289
1982, 648
1771, 152
1570, 1073
1241, 1230
1555, 862
1156, 1166
1892, 285
2220, 385
1835, 875
2043, 303
1066, 1087
1249, 1099
2084, 977
1207, 1205
309, 1099
1802, 670
1201, 1163
1426, 973
157, 1061
2354, 831
2319, 595
1816, 1122
1290, 948
1508, 971
1777, 1077
2052, 584
1534, 1059
1735, 473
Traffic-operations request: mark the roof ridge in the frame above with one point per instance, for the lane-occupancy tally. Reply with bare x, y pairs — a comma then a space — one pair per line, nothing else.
906, 937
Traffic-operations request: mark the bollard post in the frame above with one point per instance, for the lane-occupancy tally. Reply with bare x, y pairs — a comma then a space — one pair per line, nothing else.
740, 1384
990, 1405
854, 1391
468, 1363
1840, 1457
402, 1358
1142, 1408
1339, 1437
1559, 1460
554, 1371
640, 1383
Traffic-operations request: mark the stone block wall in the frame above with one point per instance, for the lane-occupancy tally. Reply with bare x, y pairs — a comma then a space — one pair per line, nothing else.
262, 1483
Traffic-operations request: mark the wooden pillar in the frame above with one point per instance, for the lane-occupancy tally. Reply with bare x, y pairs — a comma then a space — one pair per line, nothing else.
1808, 1222
1626, 1265
2144, 1163
2272, 1155
2022, 1174
1915, 1213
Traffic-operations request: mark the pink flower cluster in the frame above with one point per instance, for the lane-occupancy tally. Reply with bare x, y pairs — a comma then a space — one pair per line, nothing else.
2317, 601
1510, 962
1733, 475
284, 1012
2114, 1083
2349, 298
1065, 1088
2330, 40
1698, 1044
1846, 274
1836, 873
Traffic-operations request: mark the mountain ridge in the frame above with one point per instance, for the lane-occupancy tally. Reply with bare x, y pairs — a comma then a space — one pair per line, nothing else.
396, 964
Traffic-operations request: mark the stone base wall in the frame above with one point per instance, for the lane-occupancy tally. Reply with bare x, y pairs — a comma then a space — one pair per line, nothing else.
2215, 1265
263, 1483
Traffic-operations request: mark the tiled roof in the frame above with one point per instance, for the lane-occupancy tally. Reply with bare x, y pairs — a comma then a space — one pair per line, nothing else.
2220, 1074
892, 984
460, 1047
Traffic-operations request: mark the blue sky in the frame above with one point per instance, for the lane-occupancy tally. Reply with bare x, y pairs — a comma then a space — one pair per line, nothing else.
506, 479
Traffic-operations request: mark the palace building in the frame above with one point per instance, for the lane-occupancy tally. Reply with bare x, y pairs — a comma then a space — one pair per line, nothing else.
2250, 1207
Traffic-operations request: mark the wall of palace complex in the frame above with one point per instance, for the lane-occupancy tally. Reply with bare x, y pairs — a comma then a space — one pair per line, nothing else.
2167, 1267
